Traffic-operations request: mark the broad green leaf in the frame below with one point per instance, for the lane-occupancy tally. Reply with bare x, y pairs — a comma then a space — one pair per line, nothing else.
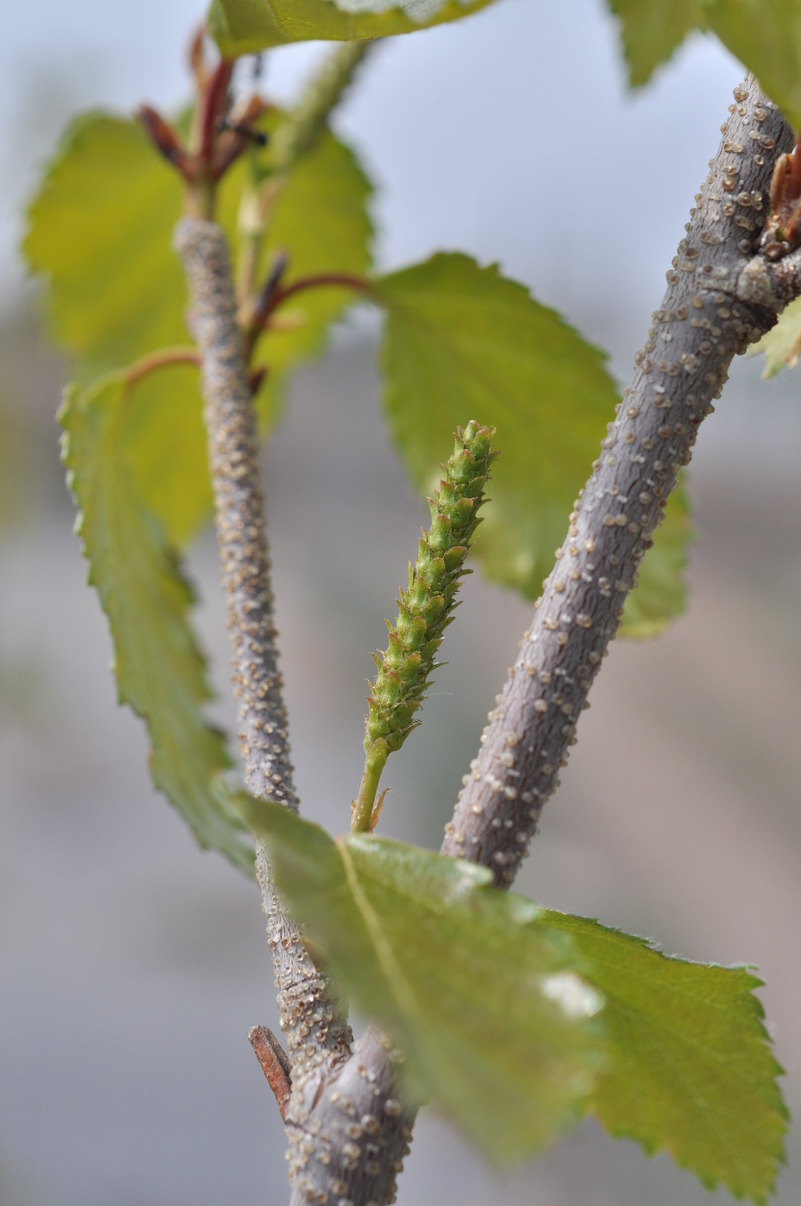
463, 342
247, 26
651, 30
159, 669
781, 345
765, 35
496, 1025
100, 231
661, 593
691, 1070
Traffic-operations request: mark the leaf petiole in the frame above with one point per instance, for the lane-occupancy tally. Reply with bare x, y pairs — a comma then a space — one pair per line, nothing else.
158, 360
339, 280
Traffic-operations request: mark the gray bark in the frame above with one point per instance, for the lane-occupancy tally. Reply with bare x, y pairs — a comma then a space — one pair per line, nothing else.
317, 1034
720, 298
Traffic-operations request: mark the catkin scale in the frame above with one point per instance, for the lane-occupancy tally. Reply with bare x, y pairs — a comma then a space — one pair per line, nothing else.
425, 607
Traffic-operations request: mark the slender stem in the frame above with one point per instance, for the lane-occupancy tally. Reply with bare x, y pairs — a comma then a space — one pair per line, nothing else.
337, 280
362, 814
158, 360
318, 1037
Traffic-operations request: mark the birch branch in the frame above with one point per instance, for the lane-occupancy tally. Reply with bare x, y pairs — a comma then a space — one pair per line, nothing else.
348, 1130
721, 297
317, 1034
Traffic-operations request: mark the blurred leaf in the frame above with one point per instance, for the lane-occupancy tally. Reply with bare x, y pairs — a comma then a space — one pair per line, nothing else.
661, 592
651, 31
781, 345
15, 472
495, 1024
247, 26
691, 1069
463, 342
765, 35
100, 230
160, 671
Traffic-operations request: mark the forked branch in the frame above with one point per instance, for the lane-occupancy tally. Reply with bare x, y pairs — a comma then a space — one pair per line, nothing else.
348, 1131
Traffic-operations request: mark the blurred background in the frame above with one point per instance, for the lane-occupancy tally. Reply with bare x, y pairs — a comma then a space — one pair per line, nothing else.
131, 965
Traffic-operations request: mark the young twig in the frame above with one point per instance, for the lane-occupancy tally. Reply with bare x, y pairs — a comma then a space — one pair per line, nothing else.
318, 1037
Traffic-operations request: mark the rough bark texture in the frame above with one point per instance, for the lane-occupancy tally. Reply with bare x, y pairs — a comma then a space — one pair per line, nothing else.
317, 1034
720, 298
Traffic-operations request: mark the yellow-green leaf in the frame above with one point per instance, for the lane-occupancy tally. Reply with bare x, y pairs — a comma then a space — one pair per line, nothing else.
247, 26
651, 31
455, 969
497, 1026
781, 345
159, 669
765, 35
691, 1071
100, 232
463, 342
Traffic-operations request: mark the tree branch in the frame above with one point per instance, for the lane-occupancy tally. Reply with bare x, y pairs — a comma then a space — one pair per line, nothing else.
720, 298
318, 1036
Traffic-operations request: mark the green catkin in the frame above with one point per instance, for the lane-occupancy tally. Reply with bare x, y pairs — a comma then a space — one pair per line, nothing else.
425, 609
308, 119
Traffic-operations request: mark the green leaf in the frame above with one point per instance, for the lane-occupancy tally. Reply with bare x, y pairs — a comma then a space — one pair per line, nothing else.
651, 31
661, 592
496, 1026
159, 669
781, 345
454, 969
100, 230
464, 342
247, 26
691, 1069
765, 35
